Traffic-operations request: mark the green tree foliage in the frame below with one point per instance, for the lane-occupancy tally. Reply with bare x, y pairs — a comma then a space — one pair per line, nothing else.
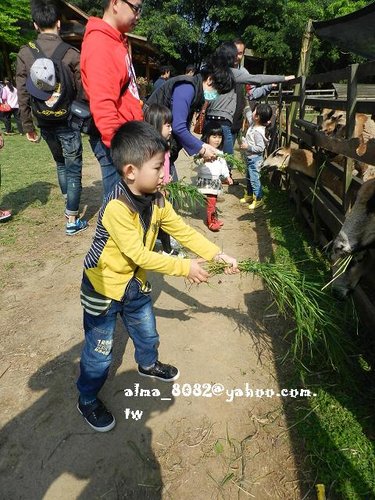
91, 7
15, 22
186, 31
178, 28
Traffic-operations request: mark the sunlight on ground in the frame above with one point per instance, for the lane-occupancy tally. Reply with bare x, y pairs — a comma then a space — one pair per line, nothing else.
69, 484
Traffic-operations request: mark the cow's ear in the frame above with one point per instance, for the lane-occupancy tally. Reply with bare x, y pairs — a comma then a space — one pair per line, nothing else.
362, 148
336, 118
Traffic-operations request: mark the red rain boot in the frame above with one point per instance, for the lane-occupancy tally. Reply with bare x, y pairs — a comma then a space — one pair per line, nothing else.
212, 222
221, 222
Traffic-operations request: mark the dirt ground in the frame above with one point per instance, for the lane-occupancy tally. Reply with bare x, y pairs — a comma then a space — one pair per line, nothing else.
222, 337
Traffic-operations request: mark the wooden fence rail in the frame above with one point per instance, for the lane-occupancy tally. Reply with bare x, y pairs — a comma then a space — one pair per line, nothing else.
323, 210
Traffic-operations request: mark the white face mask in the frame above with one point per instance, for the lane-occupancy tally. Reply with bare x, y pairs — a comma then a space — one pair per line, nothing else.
210, 95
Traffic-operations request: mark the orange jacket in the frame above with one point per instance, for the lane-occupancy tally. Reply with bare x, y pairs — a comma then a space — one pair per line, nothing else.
107, 70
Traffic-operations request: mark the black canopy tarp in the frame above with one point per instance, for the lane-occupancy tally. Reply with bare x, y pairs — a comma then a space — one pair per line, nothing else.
354, 32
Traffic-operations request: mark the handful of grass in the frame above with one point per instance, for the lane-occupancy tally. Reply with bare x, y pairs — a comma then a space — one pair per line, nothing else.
236, 162
184, 195
304, 301
342, 265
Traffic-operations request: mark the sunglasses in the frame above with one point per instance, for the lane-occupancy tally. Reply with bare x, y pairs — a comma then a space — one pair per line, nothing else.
137, 9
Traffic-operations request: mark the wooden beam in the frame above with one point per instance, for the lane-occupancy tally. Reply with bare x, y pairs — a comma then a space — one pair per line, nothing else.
303, 70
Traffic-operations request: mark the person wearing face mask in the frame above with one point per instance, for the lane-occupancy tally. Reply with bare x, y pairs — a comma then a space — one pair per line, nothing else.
223, 109
184, 95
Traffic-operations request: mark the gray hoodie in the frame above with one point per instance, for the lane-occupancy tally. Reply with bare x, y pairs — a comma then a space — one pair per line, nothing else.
224, 105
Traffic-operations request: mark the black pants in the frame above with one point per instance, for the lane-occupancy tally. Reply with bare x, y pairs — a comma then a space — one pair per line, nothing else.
7, 117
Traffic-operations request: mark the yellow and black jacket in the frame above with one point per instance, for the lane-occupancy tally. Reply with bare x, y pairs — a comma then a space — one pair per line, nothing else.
123, 246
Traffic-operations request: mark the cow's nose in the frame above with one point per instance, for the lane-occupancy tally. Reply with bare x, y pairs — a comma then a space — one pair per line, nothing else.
340, 293
341, 246
338, 246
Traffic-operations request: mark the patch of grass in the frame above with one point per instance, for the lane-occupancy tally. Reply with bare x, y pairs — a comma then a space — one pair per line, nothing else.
29, 181
342, 454
301, 297
336, 424
29, 188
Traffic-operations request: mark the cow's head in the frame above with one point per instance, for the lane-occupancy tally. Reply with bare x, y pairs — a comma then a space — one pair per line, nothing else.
358, 230
278, 160
346, 282
333, 122
357, 235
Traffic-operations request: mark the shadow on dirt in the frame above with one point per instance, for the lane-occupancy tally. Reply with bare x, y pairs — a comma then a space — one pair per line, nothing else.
37, 450
23, 198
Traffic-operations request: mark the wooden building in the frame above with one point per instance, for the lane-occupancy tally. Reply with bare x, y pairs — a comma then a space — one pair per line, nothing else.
144, 55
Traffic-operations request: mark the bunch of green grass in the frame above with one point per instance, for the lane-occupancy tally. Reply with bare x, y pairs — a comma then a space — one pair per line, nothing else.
342, 265
237, 162
302, 299
184, 195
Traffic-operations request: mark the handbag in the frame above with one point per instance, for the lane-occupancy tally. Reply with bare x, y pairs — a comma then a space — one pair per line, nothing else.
5, 108
80, 118
199, 124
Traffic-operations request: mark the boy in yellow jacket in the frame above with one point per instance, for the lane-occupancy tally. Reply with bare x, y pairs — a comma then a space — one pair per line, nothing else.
114, 278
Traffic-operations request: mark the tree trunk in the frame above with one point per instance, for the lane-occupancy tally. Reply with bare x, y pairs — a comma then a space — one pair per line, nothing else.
6, 61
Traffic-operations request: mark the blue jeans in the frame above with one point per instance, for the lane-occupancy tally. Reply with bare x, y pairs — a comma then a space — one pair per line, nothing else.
254, 186
137, 314
66, 147
227, 139
173, 172
110, 176
235, 134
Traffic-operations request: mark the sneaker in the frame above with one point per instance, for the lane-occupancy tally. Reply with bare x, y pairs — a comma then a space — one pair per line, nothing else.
5, 215
76, 227
248, 198
160, 371
97, 416
255, 204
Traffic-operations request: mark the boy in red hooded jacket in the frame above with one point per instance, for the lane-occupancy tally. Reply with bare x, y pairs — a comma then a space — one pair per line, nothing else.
109, 80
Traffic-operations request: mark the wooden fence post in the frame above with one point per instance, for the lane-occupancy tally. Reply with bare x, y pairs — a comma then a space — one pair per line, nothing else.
303, 69
350, 126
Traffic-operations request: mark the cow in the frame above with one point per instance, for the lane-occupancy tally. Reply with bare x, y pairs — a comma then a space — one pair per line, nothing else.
356, 238
334, 124
302, 160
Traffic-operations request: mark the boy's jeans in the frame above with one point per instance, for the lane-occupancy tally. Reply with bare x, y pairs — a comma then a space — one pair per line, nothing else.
66, 147
254, 164
110, 176
137, 313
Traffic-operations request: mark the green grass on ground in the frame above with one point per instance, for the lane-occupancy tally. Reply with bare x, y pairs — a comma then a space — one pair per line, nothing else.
337, 426
29, 188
